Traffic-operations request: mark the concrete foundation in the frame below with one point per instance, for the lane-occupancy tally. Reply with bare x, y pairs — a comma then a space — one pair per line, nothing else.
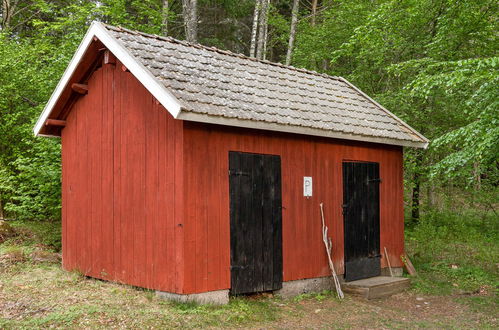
397, 271
289, 289
310, 285
220, 297
316, 285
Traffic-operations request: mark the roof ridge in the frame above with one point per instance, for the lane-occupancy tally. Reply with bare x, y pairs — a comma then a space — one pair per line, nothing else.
220, 51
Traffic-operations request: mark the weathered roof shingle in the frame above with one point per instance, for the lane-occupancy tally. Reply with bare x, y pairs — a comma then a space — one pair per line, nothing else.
205, 84
219, 83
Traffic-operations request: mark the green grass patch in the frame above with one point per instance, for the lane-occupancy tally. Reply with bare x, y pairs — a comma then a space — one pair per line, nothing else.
32, 233
455, 252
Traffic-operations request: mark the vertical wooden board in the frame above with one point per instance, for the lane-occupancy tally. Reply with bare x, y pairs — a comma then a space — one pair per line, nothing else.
162, 271
287, 202
174, 271
94, 132
107, 271
303, 212
202, 257
196, 229
336, 205
398, 235
317, 165
70, 167
117, 172
295, 184
82, 198
276, 197
169, 147
324, 188
212, 214
128, 186
141, 106
385, 217
224, 215
73, 204
151, 188
64, 190
190, 224
178, 204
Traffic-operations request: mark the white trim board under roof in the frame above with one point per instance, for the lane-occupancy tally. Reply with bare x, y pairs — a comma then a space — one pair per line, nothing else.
205, 84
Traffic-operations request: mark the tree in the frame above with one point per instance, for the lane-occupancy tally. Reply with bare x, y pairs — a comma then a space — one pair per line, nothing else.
262, 29
292, 31
254, 29
165, 16
189, 9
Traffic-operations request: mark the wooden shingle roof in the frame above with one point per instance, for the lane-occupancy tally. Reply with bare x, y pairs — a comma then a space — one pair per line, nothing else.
210, 85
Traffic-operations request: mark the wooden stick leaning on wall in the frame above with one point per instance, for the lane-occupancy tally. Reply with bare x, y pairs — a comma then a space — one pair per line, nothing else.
388, 261
329, 245
408, 265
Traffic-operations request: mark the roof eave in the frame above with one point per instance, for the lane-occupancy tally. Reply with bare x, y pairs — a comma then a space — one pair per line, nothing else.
424, 141
218, 120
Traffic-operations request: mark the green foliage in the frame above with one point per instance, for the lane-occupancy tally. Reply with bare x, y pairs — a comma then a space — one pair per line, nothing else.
33, 233
455, 252
29, 167
432, 62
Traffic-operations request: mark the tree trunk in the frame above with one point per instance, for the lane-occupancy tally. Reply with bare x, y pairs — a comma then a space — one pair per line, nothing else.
292, 32
262, 29
254, 29
194, 20
265, 37
430, 192
8, 9
477, 176
416, 190
1, 208
164, 15
314, 12
189, 12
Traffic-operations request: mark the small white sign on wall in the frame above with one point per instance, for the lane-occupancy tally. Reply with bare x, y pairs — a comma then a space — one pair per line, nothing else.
307, 186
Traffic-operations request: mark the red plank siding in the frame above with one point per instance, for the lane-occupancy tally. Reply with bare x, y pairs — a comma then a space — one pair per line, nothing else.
206, 148
146, 197
121, 157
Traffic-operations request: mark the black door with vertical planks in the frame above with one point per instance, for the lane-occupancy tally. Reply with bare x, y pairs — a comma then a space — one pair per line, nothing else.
361, 220
255, 222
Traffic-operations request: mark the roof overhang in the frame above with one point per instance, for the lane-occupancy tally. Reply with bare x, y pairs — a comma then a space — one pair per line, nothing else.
96, 34
236, 122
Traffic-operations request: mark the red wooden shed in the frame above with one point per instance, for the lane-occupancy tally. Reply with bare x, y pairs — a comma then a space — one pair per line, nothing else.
199, 172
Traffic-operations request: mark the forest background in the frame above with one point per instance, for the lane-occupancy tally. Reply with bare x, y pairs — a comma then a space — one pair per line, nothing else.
431, 62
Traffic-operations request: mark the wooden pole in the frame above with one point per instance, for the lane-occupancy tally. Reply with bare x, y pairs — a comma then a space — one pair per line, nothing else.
328, 244
408, 265
388, 261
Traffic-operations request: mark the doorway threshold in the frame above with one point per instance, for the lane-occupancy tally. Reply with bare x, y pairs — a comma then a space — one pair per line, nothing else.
376, 287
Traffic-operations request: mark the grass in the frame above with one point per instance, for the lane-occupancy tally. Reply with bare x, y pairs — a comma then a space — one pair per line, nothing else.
456, 255
455, 252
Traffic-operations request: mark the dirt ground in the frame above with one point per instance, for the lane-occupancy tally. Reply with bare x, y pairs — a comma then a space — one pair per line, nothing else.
43, 295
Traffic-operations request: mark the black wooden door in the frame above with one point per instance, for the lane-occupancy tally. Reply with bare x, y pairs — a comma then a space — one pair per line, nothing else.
361, 219
255, 222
